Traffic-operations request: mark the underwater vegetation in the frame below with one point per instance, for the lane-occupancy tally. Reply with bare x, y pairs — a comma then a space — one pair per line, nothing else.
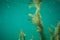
36, 20
21, 35
53, 35
56, 34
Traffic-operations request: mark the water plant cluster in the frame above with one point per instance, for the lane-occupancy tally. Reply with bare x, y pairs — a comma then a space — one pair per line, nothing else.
36, 20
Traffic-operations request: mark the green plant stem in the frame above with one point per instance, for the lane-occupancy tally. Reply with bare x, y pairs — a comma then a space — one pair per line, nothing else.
42, 35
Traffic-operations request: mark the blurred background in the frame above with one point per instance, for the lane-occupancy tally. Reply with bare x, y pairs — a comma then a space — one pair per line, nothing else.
14, 17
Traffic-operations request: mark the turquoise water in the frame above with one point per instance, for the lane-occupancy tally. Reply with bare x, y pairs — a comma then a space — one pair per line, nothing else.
14, 17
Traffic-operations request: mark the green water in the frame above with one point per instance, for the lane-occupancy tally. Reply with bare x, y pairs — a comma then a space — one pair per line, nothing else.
14, 17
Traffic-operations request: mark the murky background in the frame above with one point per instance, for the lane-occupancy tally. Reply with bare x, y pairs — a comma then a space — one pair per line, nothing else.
14, 17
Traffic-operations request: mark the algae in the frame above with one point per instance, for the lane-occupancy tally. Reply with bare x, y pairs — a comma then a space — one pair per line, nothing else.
37, 21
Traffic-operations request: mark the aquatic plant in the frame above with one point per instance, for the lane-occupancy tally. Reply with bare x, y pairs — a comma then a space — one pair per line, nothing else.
37, 21
56, 34
53, 35
32, 38
21, 35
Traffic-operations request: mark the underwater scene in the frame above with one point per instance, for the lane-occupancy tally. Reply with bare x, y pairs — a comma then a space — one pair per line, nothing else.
29, 19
